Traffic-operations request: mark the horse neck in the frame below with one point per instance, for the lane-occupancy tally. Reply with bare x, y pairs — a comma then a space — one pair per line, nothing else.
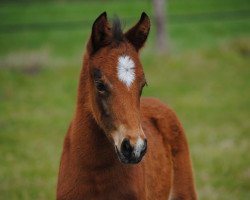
92, 147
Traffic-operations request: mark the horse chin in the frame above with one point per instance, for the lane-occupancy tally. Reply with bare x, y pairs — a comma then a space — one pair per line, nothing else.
124, 160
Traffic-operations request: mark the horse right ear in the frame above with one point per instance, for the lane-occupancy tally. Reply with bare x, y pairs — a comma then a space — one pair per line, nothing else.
138, 34
101, 33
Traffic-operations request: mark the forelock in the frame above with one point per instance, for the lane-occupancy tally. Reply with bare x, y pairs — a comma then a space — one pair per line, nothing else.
117, 34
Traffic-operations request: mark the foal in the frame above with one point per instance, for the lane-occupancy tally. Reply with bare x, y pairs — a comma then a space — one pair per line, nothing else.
113, 127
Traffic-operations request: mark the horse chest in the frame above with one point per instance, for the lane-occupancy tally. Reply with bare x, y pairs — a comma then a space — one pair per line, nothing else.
109, 184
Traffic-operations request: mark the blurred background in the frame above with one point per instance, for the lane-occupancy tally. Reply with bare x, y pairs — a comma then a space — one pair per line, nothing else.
201, 71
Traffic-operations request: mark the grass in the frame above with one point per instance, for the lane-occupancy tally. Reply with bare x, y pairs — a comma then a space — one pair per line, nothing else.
205, 79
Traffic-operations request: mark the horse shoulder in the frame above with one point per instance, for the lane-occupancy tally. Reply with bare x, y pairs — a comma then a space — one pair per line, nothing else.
173, 135
164, 119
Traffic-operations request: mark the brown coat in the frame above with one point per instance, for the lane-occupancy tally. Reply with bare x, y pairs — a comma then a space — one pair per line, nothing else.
89, 166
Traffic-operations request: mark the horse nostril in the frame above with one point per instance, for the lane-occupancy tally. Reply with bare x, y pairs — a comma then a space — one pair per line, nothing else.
126, 148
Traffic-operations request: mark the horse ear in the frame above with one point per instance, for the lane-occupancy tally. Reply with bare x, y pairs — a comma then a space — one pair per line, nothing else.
101, 33
138, 34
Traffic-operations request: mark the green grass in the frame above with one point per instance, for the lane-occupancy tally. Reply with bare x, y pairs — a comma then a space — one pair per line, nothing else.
205, 78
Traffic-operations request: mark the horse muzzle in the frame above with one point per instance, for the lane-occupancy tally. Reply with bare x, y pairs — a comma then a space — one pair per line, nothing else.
132, 154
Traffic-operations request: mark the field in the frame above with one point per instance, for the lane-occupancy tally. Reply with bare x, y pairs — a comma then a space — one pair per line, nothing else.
205, 78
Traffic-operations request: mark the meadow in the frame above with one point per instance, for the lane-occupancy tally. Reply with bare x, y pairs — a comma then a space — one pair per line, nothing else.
205, 78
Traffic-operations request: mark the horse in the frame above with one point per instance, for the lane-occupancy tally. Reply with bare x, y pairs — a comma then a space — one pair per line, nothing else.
120, 145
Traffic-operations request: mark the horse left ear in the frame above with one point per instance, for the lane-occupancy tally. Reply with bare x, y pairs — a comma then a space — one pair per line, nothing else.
138, 34
101, 33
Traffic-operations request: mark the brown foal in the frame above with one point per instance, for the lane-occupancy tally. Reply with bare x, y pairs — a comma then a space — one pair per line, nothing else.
121, 146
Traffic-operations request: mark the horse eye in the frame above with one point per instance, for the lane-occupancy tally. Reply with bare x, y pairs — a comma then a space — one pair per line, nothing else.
100, 86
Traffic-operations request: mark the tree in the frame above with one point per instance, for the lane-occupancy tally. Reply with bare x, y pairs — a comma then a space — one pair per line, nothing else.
159, 7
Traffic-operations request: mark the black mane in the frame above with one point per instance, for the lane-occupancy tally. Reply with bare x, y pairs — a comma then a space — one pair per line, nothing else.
117, 33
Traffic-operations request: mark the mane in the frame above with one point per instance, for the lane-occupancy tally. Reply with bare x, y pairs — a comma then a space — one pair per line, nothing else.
117, 33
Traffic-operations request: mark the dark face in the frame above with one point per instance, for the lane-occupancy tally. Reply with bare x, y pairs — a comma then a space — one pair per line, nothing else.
117, 80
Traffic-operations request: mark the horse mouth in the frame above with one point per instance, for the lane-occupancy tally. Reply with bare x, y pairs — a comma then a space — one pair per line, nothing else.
131, 160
